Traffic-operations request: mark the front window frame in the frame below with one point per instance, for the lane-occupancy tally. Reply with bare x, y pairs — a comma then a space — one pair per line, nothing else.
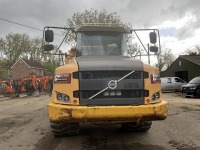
122, 43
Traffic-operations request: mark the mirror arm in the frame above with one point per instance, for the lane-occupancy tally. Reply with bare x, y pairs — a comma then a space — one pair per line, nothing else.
158, 39
134, 30
140, 41
62, 41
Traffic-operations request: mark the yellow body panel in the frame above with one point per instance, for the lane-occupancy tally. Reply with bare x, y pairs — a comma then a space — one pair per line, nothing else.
153, 88
67, 113
66, 88
73, 112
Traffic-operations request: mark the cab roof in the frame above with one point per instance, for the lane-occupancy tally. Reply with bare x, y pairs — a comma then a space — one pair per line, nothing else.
103, 28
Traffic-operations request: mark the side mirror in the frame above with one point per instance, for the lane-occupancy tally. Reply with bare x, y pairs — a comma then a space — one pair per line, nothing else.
48, 47
49, 36
153, 37
153, 49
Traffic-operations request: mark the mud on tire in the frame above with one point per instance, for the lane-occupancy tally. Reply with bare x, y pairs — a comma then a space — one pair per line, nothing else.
61, 129
134, 127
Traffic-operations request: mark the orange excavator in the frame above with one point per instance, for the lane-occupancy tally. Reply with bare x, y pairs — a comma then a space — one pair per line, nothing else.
7, 88
28, 85
43, 83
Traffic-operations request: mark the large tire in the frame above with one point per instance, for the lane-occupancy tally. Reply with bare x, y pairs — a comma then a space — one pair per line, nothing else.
61, 129
136, 127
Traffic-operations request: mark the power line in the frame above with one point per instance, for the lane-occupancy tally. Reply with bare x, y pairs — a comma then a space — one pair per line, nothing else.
23, 25
20, 24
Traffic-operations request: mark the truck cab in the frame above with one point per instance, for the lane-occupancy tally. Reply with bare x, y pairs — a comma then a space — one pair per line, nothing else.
110, 42
100, 83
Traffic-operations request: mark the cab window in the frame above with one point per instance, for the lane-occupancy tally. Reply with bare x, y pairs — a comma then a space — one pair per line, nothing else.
169, 80
179, 80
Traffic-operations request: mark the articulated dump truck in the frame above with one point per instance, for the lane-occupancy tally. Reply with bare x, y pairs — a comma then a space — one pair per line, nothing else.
100, 84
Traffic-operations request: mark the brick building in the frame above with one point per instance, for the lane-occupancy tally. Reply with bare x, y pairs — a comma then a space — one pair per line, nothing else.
24, 67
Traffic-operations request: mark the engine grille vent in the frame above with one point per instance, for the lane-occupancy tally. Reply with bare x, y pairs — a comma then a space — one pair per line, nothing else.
109, 75
123, 94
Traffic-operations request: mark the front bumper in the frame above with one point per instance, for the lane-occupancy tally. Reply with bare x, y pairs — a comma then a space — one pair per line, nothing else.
68, 113
188, 92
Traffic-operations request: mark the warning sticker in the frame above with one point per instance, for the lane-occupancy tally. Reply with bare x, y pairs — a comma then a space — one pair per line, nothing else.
62, 78
155, 78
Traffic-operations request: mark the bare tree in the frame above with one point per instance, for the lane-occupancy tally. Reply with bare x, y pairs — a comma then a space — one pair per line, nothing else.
195, 51
165, 58
98, 16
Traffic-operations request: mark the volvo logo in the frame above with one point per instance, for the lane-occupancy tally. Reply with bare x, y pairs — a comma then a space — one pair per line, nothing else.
112, 84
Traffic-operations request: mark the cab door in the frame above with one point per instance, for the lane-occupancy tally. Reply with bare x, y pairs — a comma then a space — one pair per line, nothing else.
166, 84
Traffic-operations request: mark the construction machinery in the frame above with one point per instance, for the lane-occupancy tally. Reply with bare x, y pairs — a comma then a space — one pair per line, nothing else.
28, 86
7, 88
43, 83
101, 84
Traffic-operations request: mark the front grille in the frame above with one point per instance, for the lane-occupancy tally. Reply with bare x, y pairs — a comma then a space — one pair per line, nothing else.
186, 88
124, 94
129, 90
114, 75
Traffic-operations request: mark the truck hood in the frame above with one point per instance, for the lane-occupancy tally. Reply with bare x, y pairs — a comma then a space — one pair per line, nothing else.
190, 85
87, 63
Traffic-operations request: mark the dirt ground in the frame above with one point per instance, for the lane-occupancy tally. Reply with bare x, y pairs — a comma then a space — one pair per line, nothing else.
24, 125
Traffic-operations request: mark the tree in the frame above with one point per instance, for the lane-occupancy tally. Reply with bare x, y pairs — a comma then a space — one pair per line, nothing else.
193, 52
50, 67
3, 70
90, 16
34, 52
165, 58
14, 45
98, 16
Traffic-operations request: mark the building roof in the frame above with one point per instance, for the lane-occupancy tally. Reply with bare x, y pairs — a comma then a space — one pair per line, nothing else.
195, 59
31, 63
192, 58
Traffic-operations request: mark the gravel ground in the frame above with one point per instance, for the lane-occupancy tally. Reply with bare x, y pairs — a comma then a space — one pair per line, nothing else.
24, 125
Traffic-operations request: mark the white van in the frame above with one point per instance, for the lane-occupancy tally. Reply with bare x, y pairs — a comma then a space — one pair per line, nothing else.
171, 83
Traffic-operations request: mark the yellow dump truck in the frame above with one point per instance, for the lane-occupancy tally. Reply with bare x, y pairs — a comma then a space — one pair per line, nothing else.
99, 83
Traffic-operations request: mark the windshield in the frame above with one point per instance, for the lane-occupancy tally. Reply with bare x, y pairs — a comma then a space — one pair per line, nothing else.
195, 80
95, 44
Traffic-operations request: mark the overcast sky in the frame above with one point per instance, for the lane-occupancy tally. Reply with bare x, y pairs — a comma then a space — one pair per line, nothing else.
177, 20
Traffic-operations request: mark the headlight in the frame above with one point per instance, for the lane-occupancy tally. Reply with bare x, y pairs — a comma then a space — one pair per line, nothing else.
193, 88
106, 93
112, 93
155, 96
62, 97
66, 98
118, 93
59, 96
